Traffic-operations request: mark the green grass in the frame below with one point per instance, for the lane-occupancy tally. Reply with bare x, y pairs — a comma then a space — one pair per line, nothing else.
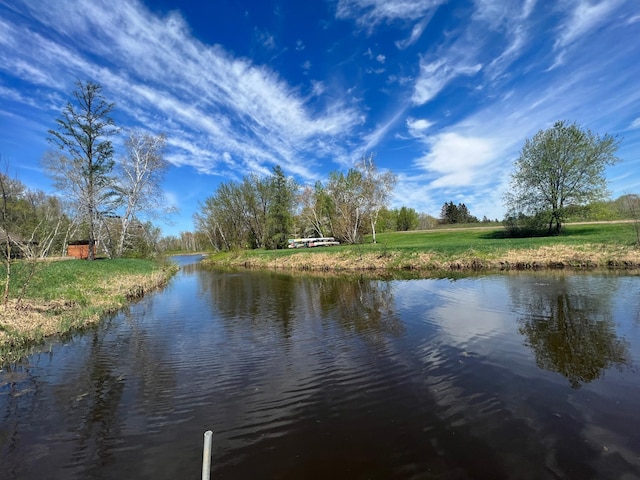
492, 240
453, 244
67, 295
72, 280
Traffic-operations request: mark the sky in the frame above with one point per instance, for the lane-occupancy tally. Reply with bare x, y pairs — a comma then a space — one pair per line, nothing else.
443, 93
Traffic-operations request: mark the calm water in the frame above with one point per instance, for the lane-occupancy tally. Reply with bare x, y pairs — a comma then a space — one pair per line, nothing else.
523, 376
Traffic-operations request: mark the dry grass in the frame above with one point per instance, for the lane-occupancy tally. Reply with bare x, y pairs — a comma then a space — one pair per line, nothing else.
31, 320
553, 256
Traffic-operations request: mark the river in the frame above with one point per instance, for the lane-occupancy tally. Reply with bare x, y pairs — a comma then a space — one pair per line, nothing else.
530, 375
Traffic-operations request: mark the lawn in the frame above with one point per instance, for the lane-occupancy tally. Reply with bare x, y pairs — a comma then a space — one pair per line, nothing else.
601, 244
64, 295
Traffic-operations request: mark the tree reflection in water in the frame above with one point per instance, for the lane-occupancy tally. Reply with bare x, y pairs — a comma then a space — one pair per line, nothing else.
570, 329
358, 304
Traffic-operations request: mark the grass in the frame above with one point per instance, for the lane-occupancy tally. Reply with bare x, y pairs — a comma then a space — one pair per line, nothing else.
580, 245
67, 295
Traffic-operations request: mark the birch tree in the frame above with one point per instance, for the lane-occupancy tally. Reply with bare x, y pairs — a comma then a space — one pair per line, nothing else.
83, 171
377, 187
139, 182
316, 210
350, 202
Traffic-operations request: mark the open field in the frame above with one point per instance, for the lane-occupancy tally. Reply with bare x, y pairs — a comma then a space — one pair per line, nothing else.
586, 245
66, 295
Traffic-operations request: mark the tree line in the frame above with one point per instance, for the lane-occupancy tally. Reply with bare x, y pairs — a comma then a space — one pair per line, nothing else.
559, 172
263, 212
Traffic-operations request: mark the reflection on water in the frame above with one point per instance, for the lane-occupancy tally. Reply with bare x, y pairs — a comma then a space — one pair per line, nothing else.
571, 331
325, 377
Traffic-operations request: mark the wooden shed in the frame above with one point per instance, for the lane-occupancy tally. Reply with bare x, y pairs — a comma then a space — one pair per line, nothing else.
78, 249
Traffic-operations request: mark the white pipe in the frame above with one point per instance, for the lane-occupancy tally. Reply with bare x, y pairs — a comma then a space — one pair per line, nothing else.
206, 455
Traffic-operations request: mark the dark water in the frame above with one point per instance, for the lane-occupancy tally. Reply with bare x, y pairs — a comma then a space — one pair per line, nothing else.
525, 376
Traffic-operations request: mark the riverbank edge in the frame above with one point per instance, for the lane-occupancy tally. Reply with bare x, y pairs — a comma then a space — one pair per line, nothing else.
26, 326
584, 257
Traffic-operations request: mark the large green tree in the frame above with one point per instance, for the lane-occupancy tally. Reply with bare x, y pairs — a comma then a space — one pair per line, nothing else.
407, 219
83, 170
559, 167
281, 207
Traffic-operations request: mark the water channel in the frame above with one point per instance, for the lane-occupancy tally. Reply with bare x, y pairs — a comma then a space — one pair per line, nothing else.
507, 376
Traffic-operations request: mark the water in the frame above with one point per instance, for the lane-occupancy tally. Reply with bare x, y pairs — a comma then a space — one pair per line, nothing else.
520, 376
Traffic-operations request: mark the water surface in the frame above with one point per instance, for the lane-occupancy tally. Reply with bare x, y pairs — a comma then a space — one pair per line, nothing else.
523, 376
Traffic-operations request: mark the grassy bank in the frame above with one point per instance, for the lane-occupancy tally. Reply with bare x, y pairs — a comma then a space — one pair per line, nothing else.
608, 245
66, 295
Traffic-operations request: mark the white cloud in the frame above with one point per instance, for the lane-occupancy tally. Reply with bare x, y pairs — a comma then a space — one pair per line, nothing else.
434, 76
456, 158
374, 138
635, 123
584, 18
154, 68
381, 58
372, 12
418, 127
416, 33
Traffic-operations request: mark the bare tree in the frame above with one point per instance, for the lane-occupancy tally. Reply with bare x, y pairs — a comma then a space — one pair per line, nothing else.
377, 188
84, 172
6, 192
29, 225
316, 210
138, 186
350, 202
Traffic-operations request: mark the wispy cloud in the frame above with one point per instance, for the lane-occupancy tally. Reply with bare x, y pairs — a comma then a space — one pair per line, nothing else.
370, 13
583, 18
153, 64
434, 76
377, 11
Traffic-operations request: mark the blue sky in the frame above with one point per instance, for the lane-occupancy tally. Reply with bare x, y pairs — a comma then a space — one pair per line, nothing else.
444, 93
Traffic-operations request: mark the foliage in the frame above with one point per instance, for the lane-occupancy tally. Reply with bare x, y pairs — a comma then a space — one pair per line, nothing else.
280, 210
451, 213
83, 171
256, 213
557, 168
407, 219
629, 206
426, 221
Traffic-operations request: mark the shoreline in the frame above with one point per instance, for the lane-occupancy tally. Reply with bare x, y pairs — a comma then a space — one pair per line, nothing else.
586, 257
25, 326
